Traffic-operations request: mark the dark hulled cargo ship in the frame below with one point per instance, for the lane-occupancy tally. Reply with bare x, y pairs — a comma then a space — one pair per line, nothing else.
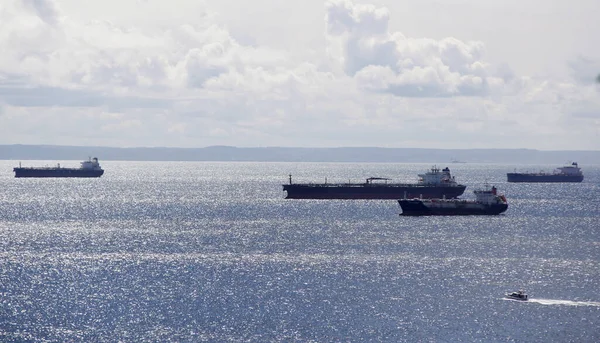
90, 168
570, 173
435, 183
487, 202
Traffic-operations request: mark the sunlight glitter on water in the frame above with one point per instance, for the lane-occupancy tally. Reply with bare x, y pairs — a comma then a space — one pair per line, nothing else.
212, 251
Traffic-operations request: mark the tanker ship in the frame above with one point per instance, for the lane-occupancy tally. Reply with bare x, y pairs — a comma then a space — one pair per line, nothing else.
487, 202
435, 183
570, 173
89, 168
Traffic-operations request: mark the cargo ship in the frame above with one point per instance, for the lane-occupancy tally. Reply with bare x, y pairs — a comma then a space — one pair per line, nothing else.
435, 183
487, 202
89, 168
571, 173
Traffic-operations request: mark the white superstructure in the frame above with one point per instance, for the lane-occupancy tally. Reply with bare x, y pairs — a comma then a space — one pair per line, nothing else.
437, 177
92, 163
573, 169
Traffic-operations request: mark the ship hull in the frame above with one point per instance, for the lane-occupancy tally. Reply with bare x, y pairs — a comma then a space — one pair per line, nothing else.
58, 172
416, 207
524, 177
370, 191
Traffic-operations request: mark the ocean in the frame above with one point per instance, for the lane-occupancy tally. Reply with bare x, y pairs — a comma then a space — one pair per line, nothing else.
212, 252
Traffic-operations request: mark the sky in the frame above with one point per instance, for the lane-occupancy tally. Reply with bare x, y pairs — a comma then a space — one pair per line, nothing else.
448, 74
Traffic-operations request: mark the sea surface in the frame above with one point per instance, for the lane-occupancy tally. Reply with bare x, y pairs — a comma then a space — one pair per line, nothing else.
212, 252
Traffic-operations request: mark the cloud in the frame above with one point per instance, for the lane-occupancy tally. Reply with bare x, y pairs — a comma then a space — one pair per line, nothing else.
104, 55
190, 82
45, 10
585, 70
385, 61
344, 17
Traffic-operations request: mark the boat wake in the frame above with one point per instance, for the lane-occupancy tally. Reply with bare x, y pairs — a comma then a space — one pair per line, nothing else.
564, 302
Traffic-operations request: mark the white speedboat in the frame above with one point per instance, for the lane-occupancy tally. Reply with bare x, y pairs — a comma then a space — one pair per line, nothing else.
519, 295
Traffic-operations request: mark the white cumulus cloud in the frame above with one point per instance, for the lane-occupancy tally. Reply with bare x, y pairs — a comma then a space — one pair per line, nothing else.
386, 61
151, 75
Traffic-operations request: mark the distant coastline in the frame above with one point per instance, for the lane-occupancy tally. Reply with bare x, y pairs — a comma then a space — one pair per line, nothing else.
281, 154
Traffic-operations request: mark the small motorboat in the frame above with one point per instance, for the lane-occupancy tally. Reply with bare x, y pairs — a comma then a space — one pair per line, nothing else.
519, 295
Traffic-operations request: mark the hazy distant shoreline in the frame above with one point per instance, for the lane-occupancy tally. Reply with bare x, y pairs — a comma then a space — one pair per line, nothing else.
279, 154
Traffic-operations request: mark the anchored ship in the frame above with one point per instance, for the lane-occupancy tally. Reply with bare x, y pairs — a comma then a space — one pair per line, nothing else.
487, 202
571, 173
435, 183
89, 168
